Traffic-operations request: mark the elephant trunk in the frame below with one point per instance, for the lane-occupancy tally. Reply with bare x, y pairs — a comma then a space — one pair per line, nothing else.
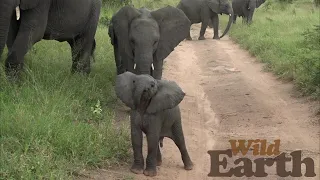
6, 11
143, 62
229, 24
249, 20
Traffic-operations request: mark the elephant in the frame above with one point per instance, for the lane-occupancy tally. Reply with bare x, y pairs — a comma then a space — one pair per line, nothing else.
142, 39
205, 10
245, 9
154, 111
74, 21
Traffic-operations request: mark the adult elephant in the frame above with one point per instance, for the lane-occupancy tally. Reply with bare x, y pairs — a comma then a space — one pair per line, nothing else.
142, 39
74, 21
245, 9
205, 10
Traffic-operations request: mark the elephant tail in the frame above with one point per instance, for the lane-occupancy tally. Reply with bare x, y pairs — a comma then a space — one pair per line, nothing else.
93, 49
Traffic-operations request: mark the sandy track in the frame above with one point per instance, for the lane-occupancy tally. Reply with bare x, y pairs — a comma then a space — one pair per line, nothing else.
228, 96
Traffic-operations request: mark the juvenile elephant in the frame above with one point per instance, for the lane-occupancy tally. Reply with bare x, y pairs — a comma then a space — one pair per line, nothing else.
142, 39
154, 111
205, 10
245, 9
25, 22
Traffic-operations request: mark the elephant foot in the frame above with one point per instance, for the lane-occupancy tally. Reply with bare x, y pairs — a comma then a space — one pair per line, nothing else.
150, 172
189, 38
201, 38
13, 72
137, 169
216, 37
188, 166
159, 162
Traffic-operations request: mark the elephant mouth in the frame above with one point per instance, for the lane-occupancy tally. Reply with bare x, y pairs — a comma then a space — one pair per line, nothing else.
135, 65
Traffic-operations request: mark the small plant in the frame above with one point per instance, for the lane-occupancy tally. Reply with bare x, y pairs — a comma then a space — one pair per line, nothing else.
97, 111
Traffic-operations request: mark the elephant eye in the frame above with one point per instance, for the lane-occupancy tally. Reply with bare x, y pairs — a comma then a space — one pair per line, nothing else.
152, 85
133, 81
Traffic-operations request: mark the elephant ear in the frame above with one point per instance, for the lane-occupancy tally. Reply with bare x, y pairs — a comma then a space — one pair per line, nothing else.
124, 88
214, 5
28, 4
174, 27
259, 3
111, 34
168, 96
121, 25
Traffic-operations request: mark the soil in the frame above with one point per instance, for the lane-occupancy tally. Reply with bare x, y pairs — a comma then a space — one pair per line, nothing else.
229, 96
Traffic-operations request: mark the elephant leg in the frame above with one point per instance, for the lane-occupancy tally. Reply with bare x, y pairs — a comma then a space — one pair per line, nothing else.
189, 38
234, 19
93, 49
78, 50
244, 19
31, 30
178, 138
136, 140
204, 25
205, 15
159, 157
73, 48
158, 66
215, 21
153, 146
13, 32
82, 51
84, 46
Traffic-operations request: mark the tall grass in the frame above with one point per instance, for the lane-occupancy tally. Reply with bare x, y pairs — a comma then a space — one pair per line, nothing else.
55, 123
285, 37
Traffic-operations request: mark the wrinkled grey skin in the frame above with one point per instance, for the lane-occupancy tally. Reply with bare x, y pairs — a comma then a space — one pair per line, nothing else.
74, 21
144, 37
245, 9
155, 112
205, 11
210, 24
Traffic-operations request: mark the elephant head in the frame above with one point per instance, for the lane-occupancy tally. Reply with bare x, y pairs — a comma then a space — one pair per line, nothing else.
222, 7
7, 9
251, 6
146, 94
145, 36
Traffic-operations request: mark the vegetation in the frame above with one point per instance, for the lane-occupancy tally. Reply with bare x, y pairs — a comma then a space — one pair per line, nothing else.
285, 36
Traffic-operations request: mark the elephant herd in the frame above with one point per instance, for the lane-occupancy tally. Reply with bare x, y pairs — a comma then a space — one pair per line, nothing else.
141, 39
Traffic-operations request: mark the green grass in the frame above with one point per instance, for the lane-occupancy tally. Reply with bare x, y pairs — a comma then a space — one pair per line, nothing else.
48, 127
277, 38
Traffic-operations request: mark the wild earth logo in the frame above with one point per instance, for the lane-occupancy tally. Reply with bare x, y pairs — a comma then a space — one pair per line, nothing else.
259, 148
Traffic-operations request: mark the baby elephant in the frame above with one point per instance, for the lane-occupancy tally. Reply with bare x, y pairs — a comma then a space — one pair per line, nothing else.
154, 111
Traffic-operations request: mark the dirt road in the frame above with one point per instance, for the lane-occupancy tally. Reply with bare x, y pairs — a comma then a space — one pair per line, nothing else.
228, 96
